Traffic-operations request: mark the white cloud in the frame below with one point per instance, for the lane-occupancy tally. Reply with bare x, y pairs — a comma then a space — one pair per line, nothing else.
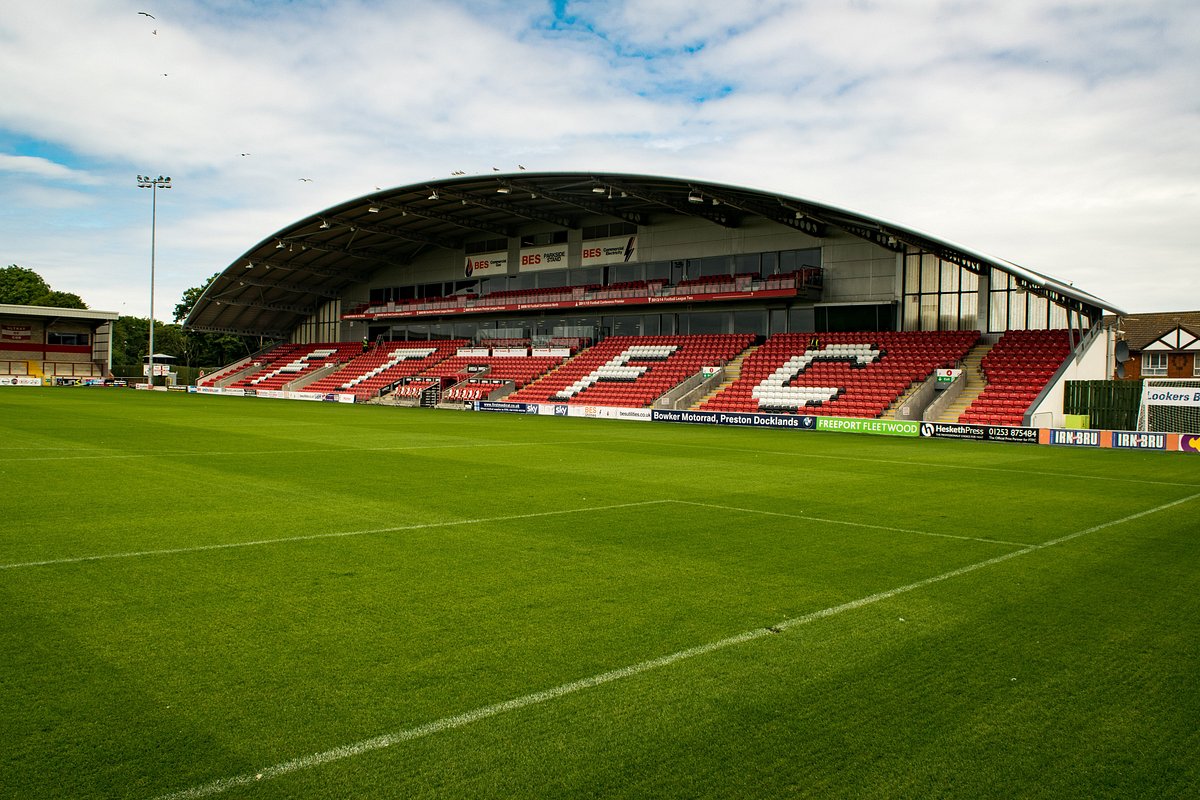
1060, 136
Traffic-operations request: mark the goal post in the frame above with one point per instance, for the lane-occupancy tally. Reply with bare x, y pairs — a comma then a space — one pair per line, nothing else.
1170, 405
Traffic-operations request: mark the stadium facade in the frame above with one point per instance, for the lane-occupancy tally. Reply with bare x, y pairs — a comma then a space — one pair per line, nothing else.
595, 254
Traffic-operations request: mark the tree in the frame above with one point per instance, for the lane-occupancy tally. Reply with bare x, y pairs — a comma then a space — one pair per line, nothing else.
60, 300
24, 287
205, 349
190, 296
20, 286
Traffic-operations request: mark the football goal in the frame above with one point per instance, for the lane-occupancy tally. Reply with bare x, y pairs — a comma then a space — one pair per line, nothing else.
1170, 405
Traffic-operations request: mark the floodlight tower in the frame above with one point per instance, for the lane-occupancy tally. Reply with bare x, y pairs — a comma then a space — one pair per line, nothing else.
153, 184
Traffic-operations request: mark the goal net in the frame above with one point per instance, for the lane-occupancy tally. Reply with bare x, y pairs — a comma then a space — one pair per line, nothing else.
1170, 405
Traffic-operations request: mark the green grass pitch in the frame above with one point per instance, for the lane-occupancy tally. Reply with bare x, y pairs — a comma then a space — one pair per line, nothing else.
207, 596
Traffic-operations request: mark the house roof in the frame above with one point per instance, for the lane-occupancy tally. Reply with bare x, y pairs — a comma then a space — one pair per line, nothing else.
1142, 330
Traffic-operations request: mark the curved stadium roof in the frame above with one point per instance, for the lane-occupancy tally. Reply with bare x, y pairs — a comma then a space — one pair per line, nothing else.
283, 279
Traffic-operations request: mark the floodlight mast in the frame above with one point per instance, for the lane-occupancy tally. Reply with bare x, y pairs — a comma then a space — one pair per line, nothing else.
153, 184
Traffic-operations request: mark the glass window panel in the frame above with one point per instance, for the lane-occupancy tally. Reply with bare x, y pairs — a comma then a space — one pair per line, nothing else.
523, 281
749, 321
968, 312
589, 276
1039, 310
801, 320
929, 312
1016, 310
747, 262
948, 312
627, 326
911, 307
714, 265
650, 325
778, 321
658, 270
1058, 316
1154, 363
930, 267
623, 273
552, 279
950, 276
969, 281
998, 312
912, 274
770, 263
707, 322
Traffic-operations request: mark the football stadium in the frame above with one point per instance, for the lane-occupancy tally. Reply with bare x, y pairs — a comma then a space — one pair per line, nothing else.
602, 485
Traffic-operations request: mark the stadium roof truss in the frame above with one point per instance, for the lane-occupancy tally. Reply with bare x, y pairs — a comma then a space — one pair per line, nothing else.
286, 277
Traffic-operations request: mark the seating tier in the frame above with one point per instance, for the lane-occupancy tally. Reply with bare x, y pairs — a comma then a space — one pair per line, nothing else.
839, 374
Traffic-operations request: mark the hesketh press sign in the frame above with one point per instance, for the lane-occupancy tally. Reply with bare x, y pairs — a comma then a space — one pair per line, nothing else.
980, 433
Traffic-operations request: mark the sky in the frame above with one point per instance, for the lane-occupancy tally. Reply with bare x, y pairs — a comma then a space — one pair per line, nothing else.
1061, 136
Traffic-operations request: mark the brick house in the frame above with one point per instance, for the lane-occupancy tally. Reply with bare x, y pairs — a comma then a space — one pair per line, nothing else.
1162, 345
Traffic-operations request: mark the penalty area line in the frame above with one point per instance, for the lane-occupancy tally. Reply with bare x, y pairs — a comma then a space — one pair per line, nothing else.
386, 740
867, 525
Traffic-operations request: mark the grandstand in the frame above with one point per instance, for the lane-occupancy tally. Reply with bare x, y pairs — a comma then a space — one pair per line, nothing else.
1016, 370
40, 343
601, 271
848, 374
632, 371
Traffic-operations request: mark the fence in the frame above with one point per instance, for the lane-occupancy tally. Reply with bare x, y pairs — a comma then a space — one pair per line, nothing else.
1111, 405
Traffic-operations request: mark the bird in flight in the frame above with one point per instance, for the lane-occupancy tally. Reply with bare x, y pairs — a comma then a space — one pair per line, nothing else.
146, 14
306, 180
520, 166
245, 154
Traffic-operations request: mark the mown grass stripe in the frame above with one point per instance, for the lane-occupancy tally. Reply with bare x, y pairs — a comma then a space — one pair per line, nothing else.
867, 525
330, 535
461, 720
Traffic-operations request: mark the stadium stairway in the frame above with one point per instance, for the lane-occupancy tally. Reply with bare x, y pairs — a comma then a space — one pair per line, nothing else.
972, 367
733, 371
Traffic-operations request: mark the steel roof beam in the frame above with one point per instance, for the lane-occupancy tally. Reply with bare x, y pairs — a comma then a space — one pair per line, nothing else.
453, 219
573, 200
270, 334
703, 211
288, 307
399, 233
295, 288
514, 209
783, 215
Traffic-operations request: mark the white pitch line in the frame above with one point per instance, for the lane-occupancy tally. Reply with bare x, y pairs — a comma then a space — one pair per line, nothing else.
869, 526
932, 464
460, 720
313, 536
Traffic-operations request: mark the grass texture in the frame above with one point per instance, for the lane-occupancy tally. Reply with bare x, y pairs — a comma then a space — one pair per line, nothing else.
238, 598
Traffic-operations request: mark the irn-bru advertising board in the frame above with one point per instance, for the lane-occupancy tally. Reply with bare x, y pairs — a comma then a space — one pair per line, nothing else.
1121, 440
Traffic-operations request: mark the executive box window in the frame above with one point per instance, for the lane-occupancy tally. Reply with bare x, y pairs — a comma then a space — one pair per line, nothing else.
609, 230
74, 339
486, 246
544, 238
